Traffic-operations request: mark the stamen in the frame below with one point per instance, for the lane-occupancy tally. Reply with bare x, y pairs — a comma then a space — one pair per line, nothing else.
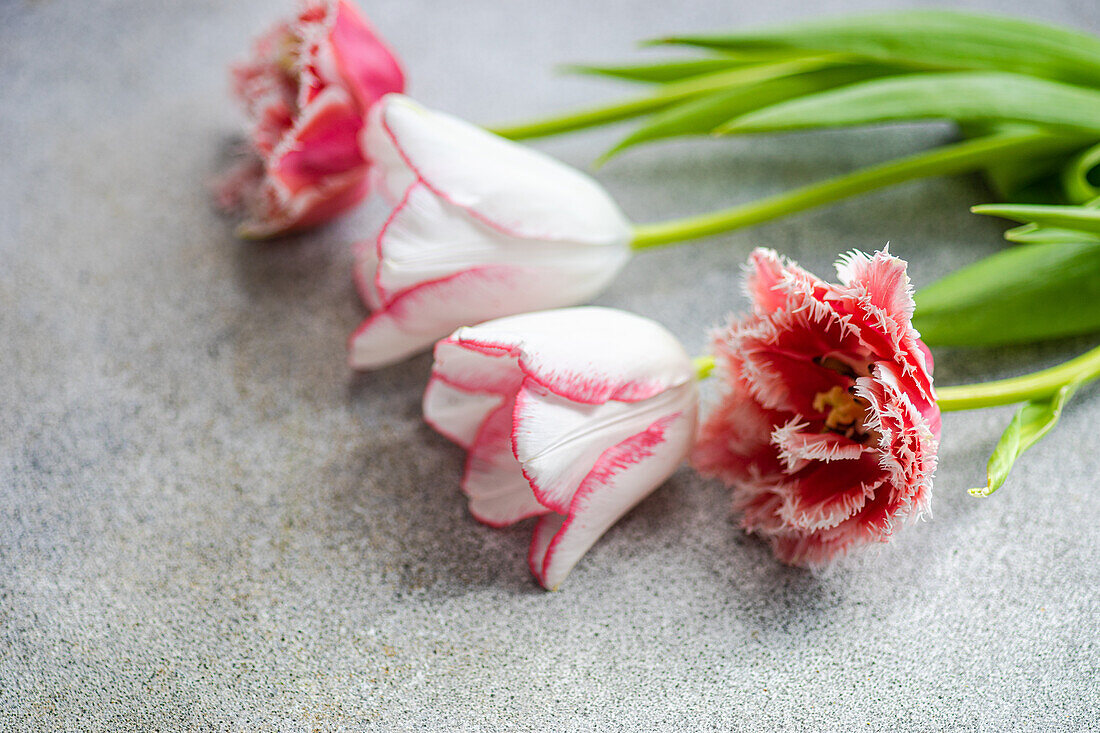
845, 411
287, 59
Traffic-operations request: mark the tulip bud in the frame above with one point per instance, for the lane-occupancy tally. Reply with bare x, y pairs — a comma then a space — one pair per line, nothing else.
481, 228
571, 415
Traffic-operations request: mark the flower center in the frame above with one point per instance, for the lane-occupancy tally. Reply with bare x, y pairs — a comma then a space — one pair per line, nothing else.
845, 411
287, 59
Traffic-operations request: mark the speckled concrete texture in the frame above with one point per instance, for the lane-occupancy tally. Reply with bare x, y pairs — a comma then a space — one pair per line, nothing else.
208, 523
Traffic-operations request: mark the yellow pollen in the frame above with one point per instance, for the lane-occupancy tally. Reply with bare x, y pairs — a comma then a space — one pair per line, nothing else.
287, 59
844, 409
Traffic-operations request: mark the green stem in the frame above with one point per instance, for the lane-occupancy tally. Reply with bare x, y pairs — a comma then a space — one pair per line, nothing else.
951, 159
669, 93
1037, 385
704, 365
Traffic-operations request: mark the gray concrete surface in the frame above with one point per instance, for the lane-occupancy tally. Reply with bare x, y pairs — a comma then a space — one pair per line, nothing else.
208, 523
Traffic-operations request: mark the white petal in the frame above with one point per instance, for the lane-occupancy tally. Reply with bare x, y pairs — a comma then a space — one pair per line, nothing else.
427, 238
499, 493
515, 188
588, 354
623, 476
365, 271
455, 413
558, 441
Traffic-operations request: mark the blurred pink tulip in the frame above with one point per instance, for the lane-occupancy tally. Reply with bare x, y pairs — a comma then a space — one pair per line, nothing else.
306, 89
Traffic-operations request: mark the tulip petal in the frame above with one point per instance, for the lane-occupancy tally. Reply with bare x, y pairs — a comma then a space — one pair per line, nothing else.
271, 212
797, 447
456, 413
735, 442
765, 274
558, 441
499, 492
826, 493
512, 188
624, 475
426, 238
366, 64
417, 317
614, 356
365, 272
322, 143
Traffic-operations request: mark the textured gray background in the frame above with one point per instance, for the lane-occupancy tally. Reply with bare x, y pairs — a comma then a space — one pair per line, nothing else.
208, 523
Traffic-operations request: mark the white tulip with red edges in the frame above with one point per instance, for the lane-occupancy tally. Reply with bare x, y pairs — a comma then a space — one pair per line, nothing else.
572, 415
481, 228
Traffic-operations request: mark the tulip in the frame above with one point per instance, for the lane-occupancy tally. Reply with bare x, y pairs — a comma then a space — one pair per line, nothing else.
306, 89
828, 428
481, 228
572, 415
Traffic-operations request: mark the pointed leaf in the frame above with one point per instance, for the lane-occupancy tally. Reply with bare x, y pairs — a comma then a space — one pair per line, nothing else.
1030, 423
960, 96
1080, 218
663, 96
1018, 295
701, 115
1033, 234
934, 38
1079, 177
662, 71
1023, 178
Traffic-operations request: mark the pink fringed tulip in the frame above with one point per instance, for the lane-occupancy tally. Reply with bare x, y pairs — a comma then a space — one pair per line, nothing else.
481, 228
571, 415
306, 90
828, 427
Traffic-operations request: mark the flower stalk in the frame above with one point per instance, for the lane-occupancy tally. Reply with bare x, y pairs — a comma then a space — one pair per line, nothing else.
953, 159
1035, 386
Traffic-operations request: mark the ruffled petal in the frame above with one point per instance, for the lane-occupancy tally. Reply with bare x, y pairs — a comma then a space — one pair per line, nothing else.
365, 63
823, 494
323, 142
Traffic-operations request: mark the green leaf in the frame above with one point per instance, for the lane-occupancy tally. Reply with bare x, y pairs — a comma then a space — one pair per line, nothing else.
663, 71
664, 96
703, 114
1018, 295
1080, 218
933, 38
1033, 234
959, 96
1077, 181
1024, 179
1030, 423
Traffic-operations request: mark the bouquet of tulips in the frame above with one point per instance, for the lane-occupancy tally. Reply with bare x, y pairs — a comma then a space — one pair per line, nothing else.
828, 424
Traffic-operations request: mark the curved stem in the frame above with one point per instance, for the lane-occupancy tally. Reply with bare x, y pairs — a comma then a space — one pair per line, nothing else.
951, 159
1036, 385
